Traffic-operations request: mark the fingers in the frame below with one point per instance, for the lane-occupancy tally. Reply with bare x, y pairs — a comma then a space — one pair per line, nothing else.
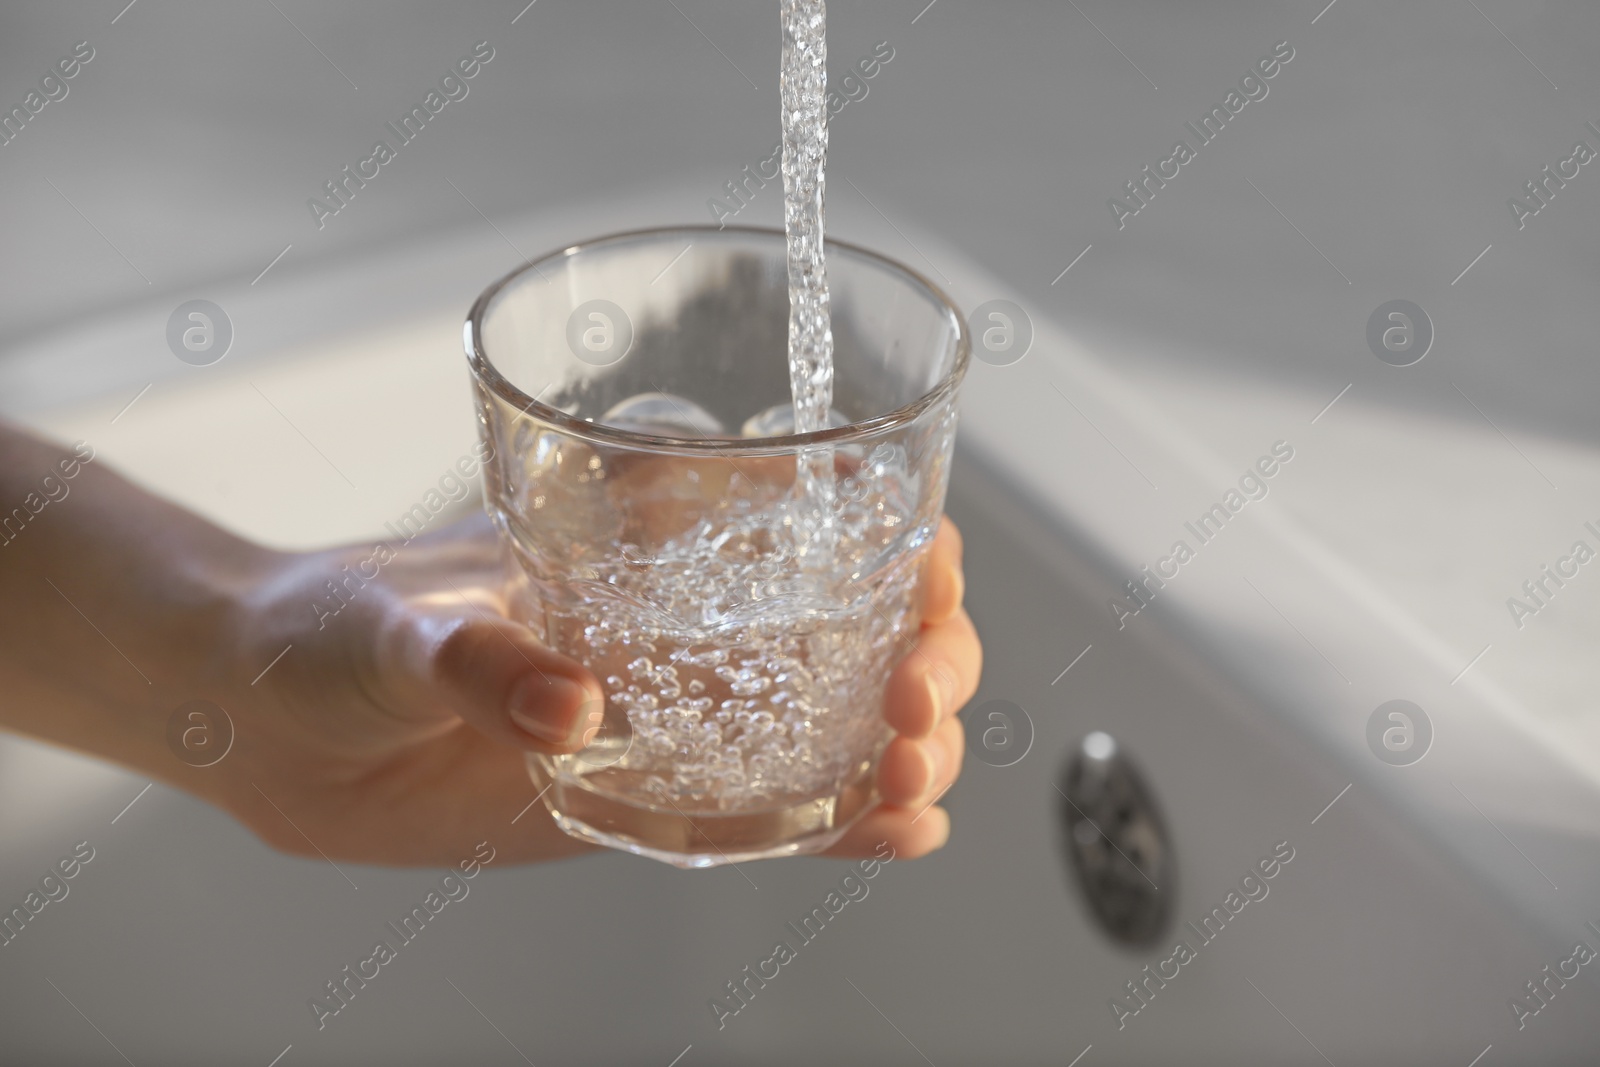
911, 777
894, 832
943, 584
939, 675
911, 773
493, 674
927, 688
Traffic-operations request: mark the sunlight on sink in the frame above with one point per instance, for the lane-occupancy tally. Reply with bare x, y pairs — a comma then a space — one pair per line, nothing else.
325, 443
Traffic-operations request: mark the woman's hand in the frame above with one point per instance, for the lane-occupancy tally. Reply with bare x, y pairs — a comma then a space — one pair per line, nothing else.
395, 731
934, 681
386, 722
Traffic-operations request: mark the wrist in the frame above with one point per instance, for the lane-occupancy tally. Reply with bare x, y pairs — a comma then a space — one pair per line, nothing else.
196, 725
130, 602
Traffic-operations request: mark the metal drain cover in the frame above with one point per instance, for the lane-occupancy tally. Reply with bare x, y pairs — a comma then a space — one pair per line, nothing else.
1120, 855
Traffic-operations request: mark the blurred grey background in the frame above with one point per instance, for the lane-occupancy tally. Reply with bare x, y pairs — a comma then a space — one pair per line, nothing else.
1392, 140
1229, 312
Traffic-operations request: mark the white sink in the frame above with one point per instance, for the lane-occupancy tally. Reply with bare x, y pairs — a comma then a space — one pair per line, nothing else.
1419, 901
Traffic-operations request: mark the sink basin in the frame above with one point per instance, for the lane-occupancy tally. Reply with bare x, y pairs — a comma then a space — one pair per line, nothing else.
1410, 902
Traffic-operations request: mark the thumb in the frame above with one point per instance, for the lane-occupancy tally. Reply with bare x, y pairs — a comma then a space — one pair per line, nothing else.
495, 675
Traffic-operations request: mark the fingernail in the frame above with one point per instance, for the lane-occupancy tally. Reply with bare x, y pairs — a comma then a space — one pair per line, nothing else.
930, 757
935, 756
961, 587
548, 707
935, 699
942, 683
594, 720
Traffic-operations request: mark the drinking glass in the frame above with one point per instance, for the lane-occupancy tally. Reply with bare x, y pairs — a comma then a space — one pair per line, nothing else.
635, 391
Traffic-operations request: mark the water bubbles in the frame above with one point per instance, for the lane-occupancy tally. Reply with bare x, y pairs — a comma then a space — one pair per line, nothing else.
635, 557
680, 719
772, 699
658, 742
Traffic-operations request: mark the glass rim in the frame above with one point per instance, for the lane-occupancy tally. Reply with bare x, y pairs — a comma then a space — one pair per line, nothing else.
489, 375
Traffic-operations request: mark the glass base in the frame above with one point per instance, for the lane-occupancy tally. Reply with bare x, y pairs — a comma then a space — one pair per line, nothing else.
700, 839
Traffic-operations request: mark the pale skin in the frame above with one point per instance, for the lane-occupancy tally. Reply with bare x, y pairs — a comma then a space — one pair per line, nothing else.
392, 734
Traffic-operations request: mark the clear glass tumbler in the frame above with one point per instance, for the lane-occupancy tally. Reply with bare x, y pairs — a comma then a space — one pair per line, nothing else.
635, 390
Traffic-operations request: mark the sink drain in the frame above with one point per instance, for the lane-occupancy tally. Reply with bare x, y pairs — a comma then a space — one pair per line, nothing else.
1120, 855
